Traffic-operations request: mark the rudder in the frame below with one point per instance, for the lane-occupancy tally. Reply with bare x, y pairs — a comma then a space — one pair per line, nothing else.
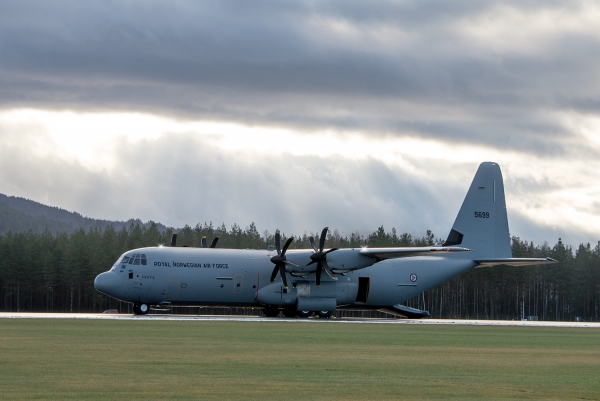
482, 223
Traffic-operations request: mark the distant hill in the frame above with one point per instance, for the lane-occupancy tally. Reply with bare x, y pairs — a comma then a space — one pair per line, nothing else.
20, 215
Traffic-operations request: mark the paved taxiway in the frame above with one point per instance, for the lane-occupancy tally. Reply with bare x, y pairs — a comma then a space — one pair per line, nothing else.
101, 316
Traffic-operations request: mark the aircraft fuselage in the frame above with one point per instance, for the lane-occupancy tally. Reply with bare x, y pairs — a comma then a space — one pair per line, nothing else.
226, 277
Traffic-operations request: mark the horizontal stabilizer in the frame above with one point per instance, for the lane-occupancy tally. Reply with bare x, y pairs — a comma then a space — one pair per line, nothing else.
514, 262
392, 253
411, 313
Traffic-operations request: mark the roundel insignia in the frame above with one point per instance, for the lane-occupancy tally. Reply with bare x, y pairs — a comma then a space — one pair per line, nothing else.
413, 277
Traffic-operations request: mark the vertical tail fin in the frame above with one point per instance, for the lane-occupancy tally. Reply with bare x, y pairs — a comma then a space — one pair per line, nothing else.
482, 223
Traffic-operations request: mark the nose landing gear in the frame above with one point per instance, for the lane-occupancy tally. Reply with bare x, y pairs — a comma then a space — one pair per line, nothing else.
140, 308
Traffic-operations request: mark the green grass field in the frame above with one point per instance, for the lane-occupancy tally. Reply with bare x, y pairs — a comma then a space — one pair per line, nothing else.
112, 359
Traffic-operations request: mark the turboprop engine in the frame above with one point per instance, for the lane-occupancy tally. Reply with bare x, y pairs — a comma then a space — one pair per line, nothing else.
304, 295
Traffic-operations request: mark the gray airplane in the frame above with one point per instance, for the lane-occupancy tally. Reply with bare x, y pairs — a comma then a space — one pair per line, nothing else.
291, 281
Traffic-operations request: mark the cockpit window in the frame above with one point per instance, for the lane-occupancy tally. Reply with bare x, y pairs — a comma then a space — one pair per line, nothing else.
136, 260
121, 261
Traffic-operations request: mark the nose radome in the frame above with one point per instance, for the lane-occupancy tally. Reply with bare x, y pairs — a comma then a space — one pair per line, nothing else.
104, 283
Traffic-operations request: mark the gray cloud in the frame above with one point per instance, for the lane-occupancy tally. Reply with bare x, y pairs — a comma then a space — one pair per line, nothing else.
401, 68
466, 73
185, 179
181, 180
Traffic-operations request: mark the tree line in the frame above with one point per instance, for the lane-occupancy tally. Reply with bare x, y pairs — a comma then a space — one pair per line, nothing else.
56, 272
21, 215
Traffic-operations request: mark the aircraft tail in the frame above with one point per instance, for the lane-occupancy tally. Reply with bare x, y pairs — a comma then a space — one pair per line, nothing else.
482, 222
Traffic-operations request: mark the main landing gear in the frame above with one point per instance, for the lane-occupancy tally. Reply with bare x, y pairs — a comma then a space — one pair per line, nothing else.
290, 313
324, 314
140, 308
271, 312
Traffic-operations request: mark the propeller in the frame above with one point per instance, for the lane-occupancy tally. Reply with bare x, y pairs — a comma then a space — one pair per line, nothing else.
280, 260
213, 243
174, 239
320, 258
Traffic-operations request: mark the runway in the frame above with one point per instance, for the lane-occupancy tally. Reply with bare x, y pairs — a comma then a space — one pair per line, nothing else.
228, 318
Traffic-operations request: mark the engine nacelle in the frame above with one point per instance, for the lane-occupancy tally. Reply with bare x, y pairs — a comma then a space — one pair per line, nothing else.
306, 295
316, 304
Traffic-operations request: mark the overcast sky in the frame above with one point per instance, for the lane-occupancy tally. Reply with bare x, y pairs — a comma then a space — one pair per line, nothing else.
299, 115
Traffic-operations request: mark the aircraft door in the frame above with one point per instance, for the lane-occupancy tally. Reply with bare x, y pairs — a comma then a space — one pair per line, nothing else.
134, 280
238, 283
364, 284
172, 290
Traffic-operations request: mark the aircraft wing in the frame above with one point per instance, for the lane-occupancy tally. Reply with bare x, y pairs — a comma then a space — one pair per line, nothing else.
514, 262
392, 253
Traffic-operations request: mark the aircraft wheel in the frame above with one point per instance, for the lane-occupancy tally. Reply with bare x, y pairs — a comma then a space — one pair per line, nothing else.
140, 308
271, 312
325, 314
289, 312
303, 313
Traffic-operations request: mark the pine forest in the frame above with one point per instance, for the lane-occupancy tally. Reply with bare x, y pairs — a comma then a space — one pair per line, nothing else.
44, 271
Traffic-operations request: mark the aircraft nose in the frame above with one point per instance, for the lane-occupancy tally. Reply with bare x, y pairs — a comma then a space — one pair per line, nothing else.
105, 282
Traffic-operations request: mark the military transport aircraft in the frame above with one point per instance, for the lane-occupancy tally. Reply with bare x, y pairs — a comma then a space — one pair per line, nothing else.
355, 278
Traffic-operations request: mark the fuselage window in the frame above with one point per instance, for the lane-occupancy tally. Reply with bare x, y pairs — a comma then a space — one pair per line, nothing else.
137, 260
132, 259
143, 259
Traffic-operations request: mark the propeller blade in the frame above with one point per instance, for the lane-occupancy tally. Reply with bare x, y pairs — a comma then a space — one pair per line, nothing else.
203, 242
319, 269
174, 239
282, 272
287, 262
320, 257
312, 243
331, 250
214, 241
286, 245
278, 242
328, 270
279, 259
322, 239
274, 274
